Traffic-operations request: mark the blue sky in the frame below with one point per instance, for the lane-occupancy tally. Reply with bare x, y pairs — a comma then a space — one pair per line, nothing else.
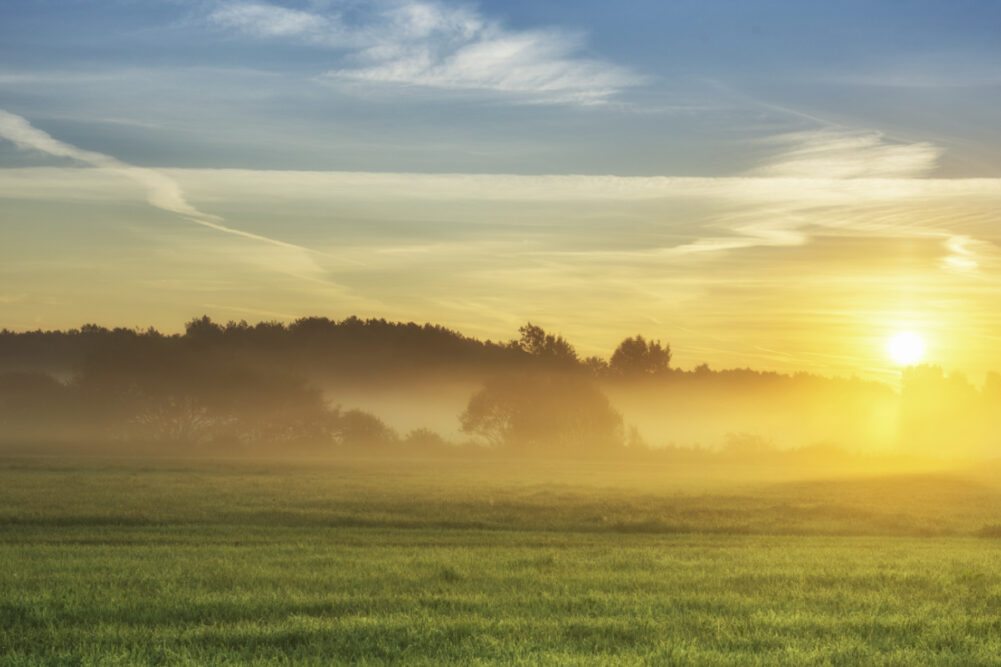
709, 173
649, 88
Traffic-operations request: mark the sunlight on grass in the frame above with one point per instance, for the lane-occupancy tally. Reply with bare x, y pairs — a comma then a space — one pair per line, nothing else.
430, 563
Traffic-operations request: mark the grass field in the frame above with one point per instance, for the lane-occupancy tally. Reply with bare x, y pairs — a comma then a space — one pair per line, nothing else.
118, 561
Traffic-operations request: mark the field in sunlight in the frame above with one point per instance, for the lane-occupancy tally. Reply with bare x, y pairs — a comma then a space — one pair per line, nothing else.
156, 561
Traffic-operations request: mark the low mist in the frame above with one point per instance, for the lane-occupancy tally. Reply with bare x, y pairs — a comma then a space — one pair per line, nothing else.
377, 388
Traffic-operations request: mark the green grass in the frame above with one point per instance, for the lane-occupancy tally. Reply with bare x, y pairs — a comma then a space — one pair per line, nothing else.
140, 562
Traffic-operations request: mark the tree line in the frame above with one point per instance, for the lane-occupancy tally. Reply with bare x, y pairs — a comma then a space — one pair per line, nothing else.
312, 345
239, 385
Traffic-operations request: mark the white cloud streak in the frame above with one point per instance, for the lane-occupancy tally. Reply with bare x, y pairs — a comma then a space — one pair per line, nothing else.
264, 20
726, 214
436, 45
844, 154
162, 191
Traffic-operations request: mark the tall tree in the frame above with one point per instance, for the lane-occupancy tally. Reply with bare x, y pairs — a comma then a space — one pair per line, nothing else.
639, 357
543, 412
546, 346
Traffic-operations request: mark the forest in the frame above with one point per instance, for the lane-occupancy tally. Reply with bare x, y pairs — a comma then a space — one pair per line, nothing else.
322, 385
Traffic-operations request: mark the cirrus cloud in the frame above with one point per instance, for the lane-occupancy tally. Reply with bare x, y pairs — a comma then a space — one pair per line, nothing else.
436, 45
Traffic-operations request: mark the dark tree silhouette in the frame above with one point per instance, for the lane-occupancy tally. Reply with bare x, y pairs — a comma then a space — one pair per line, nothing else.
545, 346
256, 384
596, 366
637, 357
543, 413
426, 439
354, 428
204, 329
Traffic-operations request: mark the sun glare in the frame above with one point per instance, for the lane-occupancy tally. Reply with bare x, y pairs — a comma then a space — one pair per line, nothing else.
906, 348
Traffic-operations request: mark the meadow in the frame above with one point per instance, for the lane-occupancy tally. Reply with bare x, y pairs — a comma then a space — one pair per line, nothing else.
121, 560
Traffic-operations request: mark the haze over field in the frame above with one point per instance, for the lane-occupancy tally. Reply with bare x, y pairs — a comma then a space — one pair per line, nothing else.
355, 387
500, 332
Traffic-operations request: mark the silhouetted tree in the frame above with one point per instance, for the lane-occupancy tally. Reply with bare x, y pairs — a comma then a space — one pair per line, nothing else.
596, 366
203, 328
543, 413
553, 349
426, 439
635, 357
179, 394
174, 419
358, 428
257, 383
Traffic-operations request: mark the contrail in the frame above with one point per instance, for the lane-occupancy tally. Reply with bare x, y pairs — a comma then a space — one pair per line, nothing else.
162, 191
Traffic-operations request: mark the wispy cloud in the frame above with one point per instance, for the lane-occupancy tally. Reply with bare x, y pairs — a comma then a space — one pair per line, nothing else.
847, 154
264, 20
438, 45
597, 253
966, 254
162, 191
842, 178
568, 215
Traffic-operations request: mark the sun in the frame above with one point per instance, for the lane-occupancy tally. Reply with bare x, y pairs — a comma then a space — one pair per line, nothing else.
906, 348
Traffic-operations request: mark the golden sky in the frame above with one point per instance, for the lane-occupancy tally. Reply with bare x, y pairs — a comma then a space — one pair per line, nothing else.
767, 269
480, 166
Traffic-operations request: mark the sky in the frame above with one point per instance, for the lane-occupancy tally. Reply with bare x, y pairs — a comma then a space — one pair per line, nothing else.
782, 185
